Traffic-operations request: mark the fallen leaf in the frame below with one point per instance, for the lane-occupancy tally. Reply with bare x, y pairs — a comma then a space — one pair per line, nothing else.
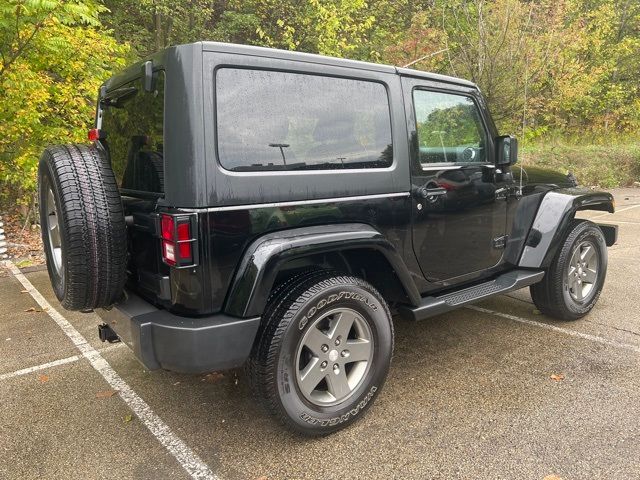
106, 394
212, 377
537, 312
264, 477
128, 418
177, 383
558, 377
43, 378
32, 309
24, 291
552, 477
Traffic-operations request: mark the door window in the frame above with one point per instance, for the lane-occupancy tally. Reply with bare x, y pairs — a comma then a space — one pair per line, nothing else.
449, 129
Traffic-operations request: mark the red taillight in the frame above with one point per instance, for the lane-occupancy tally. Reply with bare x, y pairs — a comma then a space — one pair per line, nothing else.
168, 234
94, 134
177, 248
184, 237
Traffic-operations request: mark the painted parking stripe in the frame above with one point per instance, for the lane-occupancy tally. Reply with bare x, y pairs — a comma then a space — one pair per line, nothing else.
54, 363
617, 211
194, 466
44, 366
554, 328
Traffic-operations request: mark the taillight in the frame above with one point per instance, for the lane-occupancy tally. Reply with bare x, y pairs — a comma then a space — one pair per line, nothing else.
95, 134
178, 242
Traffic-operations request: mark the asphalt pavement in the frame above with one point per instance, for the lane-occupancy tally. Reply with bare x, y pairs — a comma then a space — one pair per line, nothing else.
495, 391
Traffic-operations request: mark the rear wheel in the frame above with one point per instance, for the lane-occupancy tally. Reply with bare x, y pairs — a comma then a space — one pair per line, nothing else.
83, 227
323, 352
572, 285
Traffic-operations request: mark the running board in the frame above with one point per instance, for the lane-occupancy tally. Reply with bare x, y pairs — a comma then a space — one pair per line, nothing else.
506, 282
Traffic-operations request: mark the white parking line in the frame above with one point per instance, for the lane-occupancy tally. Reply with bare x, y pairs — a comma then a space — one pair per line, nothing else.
194, 466
566, 331
44, 366
54, 363
617, 211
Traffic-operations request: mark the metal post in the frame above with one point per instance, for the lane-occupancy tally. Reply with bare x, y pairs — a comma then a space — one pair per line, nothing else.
3, 241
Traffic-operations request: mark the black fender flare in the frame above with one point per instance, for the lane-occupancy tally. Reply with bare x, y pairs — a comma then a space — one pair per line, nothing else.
555, 213
263, 259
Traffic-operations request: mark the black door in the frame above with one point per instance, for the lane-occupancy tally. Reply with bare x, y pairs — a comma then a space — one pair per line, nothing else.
459, 206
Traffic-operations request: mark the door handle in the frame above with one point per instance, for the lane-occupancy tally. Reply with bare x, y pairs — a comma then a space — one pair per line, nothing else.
430, 194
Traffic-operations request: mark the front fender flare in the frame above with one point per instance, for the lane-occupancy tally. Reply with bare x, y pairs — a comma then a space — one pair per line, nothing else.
263, 259
555, 213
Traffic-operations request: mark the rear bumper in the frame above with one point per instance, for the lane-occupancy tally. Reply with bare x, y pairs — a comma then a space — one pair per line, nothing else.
161, 339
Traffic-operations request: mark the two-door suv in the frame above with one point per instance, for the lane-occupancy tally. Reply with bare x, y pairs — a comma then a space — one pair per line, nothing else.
243, 205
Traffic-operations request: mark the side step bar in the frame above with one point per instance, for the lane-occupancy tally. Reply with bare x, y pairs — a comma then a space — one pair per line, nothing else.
506, 282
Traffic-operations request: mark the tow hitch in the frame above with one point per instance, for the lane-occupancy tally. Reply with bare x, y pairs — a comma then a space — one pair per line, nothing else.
106, 334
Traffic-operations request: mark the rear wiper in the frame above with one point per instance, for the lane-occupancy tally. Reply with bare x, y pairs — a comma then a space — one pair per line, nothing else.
115, 96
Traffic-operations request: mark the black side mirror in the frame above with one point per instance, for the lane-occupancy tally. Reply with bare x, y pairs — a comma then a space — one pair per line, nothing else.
506, 150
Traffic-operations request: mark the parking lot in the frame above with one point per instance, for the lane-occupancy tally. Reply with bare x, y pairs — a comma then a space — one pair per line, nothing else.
492, 391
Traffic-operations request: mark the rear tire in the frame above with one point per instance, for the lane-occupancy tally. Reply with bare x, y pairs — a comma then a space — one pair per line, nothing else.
573, 283
323, 352
83, 226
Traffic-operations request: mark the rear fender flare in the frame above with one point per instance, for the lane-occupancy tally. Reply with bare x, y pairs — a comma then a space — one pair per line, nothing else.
264, 258
555, 213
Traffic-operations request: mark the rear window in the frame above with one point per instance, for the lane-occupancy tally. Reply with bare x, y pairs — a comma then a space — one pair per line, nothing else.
132, 120
269, 120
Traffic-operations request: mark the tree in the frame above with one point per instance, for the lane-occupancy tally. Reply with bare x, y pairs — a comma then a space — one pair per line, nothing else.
49, 77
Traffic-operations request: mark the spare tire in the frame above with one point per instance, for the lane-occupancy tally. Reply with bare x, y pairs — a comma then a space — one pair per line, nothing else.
83, 226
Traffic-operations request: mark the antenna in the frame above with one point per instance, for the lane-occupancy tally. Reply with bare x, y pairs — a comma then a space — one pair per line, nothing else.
424, 56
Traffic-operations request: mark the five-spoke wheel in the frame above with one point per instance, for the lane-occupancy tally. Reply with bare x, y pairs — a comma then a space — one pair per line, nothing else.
334, 356
582, 273
323, 353
573, 281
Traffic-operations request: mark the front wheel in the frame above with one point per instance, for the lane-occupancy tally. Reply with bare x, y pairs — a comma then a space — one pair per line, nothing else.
323, 352
572, 285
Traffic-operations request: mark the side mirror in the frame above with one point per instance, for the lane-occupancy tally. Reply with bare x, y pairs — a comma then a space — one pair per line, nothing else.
506, 150
147, 76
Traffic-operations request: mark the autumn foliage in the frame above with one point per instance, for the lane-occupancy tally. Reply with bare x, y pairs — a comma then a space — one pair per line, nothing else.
550, 69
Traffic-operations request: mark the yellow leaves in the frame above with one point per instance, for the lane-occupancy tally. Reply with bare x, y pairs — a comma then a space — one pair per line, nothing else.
557, 377
48, 94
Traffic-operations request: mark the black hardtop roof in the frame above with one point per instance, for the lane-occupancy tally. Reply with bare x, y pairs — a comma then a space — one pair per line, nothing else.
322, 59
134, 70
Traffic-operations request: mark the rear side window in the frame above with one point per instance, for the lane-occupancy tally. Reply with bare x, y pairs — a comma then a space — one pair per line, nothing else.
132, 120
269, 120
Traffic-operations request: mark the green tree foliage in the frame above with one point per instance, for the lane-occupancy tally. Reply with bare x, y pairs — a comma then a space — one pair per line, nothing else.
50, 70
547, 67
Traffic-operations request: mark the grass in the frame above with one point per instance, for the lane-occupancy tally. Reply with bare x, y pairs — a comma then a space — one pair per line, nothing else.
605, 166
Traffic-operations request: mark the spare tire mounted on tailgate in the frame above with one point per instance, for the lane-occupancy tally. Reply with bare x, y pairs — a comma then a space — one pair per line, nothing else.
83, 226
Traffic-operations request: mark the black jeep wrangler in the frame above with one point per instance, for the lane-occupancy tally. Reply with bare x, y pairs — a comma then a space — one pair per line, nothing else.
242, 205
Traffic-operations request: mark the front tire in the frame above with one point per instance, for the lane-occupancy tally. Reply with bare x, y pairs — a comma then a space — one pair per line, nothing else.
573, 283
323, 352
